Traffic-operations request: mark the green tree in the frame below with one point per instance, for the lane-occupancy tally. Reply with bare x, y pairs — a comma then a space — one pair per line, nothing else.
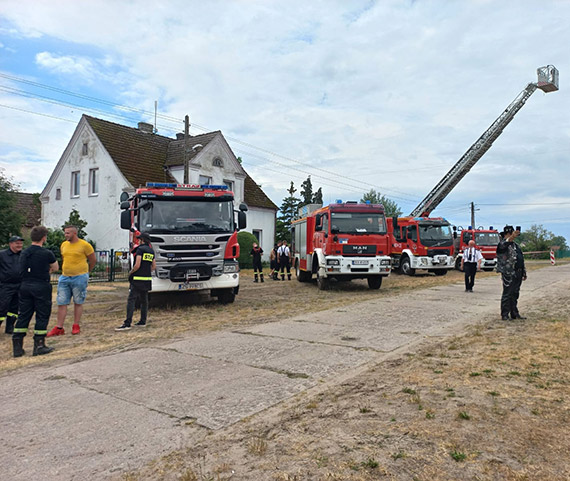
245, 241
318, 196
54, 239
287, 213
559, 241
10, 220
391, 208
306, 192
77, 221
537, 238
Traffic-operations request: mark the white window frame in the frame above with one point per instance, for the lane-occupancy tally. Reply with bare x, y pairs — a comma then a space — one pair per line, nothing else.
258, 233
85, 148
75, 183
217, 162
94, 179
230, 184
205, 180
58, 194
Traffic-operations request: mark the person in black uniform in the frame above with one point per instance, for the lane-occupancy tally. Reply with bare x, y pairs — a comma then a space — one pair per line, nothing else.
140, 282
283, 253
256, 252
510, 263
10, 279
36, 264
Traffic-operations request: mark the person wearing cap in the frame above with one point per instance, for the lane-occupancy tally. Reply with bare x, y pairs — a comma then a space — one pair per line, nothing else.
10, 279
470, 264
256, 252
140, 281
78, 259
510, 263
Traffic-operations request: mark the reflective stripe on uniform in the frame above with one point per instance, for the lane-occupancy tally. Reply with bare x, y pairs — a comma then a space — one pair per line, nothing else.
20, 329
13, 314
135, 278
39, 333
2, 319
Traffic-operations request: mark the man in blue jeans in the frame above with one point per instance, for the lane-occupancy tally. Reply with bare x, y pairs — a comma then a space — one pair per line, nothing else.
78, 259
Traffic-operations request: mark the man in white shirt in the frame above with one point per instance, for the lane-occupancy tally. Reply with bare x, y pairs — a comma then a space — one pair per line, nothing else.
470, 264
284, 254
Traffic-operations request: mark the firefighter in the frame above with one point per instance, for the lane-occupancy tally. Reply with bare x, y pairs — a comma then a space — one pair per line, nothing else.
510, 263
36, 265
140, 281
10, 279
256, 252
283, 254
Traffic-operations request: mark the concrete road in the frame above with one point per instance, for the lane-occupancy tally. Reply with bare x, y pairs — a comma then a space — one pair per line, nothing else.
97, 418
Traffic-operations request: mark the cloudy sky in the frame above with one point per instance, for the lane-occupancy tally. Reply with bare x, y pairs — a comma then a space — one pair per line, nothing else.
361, 95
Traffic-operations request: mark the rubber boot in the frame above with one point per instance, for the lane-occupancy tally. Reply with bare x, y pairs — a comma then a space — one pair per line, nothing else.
288, 277
282, 277
261, 277
40, 347
18, 345
275, 276
255, 278
10, 321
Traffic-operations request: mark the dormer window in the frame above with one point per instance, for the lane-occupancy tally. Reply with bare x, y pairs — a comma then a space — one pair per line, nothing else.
217, 162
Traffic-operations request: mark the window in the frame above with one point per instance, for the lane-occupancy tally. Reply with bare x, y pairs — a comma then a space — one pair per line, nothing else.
75, 183
229, 184
85, 149
93, 181
217, 162
257, 234
204, 179
57, 194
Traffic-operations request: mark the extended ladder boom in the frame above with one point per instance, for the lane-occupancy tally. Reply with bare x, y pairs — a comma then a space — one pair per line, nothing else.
547, 81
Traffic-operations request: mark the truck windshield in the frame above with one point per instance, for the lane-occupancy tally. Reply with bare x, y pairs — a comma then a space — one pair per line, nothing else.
486, 238
187, 216
435, 235
358, 223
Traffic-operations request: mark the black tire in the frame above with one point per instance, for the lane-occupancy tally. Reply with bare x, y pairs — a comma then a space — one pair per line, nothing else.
440, 272
322, 282
302, 276
458, 263
226, 296
375, 282
405, 267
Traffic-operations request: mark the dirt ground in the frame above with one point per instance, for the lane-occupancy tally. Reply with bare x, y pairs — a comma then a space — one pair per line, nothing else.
492, 404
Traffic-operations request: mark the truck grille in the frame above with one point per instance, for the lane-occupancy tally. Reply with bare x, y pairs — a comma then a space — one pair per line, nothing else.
437, 252
189, 272
358, 250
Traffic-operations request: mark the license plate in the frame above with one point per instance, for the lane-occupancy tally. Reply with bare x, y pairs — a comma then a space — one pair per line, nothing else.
359, 263
190, 286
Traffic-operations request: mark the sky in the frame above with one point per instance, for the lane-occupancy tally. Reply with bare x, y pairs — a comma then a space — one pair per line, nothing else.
385, 95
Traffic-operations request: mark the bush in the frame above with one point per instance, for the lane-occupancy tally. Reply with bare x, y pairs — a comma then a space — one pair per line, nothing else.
245, 240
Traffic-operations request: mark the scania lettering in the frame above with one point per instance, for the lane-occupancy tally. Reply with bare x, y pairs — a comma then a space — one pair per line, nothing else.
342, 241
193, 232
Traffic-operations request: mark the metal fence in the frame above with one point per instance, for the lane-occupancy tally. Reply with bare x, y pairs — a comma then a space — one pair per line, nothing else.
112, 265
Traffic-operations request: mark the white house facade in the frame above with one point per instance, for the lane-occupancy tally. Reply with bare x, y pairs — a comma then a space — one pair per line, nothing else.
104, 159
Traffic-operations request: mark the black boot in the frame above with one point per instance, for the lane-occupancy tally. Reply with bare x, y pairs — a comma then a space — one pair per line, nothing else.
282, 277
40, 347
10, 321
261, 277
288, 277
255, 278
18, 345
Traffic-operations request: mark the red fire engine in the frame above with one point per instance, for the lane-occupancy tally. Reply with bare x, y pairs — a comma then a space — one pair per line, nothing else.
193, 233
341, 241
486, 241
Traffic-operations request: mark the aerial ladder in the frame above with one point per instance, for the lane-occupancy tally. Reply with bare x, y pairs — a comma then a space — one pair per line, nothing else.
547, 82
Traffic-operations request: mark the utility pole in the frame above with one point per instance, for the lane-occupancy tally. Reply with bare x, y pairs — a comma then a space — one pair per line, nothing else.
473, 226
186, 149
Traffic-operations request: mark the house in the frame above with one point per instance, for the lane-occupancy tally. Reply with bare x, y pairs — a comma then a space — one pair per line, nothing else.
104, 159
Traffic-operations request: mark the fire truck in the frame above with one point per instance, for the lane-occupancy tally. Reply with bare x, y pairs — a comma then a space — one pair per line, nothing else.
421, 243
409, 231
486, 241
193, 232
341, 241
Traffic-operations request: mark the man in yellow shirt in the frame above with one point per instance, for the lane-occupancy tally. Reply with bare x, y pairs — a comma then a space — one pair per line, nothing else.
78, 259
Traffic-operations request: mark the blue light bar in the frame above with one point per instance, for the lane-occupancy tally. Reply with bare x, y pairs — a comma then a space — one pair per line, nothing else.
161, 185
338, 201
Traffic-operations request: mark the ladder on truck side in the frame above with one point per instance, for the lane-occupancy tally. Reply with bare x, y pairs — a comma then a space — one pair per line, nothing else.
547, 82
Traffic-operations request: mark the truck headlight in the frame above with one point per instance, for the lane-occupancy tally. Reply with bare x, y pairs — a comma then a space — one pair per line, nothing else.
333, 262
423, 261
385, 262
231, 267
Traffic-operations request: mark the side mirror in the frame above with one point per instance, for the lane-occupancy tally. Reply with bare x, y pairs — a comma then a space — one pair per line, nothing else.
243, 207
124, 196
395, 222
242, 221
125, 220
318, 223
125, 205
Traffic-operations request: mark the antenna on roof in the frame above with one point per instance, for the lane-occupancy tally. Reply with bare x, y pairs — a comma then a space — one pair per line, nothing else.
155, 108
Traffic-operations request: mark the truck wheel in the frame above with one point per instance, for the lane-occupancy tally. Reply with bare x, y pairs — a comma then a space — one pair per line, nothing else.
302, 276
440, 272
405, 266
458, 263
375, 282
322, 282
226, 296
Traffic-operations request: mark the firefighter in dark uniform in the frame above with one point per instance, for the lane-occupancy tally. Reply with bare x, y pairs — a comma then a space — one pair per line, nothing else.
256, 252
10, 279
36, 264
284, 253
140, 282
510, 263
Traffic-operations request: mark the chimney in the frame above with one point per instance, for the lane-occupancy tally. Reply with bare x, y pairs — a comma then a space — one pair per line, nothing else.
146, 128
180, 136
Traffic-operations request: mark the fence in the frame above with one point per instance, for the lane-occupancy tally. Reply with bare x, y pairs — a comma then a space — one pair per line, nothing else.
112, 265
